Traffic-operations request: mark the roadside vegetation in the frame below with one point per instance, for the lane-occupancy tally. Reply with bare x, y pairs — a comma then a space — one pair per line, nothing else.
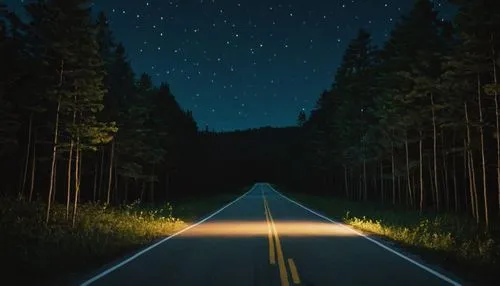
455, 242
83, 139
58, 253
405, 144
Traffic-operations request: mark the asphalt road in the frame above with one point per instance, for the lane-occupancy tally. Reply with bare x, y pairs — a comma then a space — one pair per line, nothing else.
264, 238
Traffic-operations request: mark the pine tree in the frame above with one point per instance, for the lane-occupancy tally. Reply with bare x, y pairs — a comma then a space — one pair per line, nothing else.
119, 107
22, 89
132, 152
105, 40
63, 36
477, 24
408, 87
9, 121
353, 84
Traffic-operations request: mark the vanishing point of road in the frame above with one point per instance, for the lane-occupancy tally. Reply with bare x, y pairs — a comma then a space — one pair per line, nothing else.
264, 238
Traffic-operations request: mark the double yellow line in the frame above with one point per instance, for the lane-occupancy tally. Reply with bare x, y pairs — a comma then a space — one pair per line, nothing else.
272, 232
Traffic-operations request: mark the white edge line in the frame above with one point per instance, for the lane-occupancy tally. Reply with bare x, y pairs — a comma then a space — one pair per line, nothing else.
111, 269
439, 275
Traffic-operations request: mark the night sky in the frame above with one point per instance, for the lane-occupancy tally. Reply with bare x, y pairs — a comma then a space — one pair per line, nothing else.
241, 64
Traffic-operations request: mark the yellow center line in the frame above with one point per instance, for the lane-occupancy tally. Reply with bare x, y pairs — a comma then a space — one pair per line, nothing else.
281, 259
272, 256
293, 271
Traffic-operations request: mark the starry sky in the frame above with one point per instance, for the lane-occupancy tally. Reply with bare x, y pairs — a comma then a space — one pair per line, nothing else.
241, 64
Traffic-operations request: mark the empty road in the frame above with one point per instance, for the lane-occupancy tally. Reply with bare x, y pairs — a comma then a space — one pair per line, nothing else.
264, 238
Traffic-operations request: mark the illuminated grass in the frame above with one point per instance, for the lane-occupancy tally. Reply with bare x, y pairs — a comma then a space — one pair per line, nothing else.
59, 254
426, 234
453, 241
100, 234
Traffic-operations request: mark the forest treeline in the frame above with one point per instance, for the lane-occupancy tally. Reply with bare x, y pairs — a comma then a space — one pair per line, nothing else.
74, 116
416, 121
77, 125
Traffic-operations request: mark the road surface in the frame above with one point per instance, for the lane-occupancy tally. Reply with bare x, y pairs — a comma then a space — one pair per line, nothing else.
263, 238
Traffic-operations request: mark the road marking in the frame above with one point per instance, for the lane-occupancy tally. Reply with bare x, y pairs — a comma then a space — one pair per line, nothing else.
435, 273
272, 255
293, 271
111, 269
281, 259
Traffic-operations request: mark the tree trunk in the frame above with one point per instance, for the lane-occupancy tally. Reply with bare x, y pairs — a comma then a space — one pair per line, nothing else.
434, 127
474, 186
80, 172
54, 192
33, 167
111, 159
472, 173
420, 151
483, 160
26, 162
471, 182
54, 150
77, 180
497, 113
408, 172
476, 199
101, 174
69, 172
467, 177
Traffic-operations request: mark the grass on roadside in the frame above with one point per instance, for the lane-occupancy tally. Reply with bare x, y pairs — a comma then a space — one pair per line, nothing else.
453, 241
56, 254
